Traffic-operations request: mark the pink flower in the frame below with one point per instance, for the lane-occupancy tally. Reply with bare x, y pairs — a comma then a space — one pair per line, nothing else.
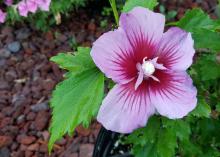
32, 5
149, 68
23, 8
44, 4
8, 2
2, 16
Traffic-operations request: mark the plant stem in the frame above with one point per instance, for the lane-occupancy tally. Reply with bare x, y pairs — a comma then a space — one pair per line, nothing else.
115, 12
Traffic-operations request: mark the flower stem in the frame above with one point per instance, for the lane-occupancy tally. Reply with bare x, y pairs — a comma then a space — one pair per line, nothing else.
115, 12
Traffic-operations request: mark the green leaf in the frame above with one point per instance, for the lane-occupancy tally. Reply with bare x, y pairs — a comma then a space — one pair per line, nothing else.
182, 129
77, 99
202, 28
202, 109
146, 134
148, 150
64, 60
205, 38
154, 140
218, 107
209, 69
77, 62
130, 4
194, 19
189, 149
166, 143
171, 14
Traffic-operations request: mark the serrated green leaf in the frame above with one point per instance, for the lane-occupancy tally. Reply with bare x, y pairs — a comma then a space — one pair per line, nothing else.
181, 127
182, 130
218, 107
130, 4
202, 28
77, 62
76, 100
149, 132
205, 38
209, 69
166, 143
65, 61
189, 149
148, 150
195, 19
154, 140
202, 109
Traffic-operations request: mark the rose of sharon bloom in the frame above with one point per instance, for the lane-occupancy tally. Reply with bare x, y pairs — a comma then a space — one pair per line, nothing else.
149, 68
2, 16
8, 2
44, 4
32, 5
23, 8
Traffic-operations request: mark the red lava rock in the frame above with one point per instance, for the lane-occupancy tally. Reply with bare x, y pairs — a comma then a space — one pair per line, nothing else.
61, 142
73, 155
28, 51
6, 121
31, 116
26, 140
28, 153
18, 100
7, 31
41, 120
23, 147
49, 84
1, 115
19, 153
86, 150
62, 38
45, 135
83, 131
10, 75
91, 139
5, 141
14, 146
43, 148
4, 85
7, 111
92, 26
49, 36
33, 147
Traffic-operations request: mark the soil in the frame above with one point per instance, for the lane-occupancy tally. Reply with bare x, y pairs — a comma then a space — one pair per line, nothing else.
27, 78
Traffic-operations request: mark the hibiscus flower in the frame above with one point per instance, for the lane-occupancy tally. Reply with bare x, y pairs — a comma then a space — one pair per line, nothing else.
149, 69
2, 16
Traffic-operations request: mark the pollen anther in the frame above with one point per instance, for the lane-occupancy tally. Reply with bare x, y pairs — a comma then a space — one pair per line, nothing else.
148, 67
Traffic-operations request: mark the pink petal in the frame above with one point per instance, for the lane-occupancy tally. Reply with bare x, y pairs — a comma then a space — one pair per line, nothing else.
32, 5
140, 76
8, 2
22, 8
125, 109
44, 4
175, 96
112, 53
2, 16
143, 25
176, 49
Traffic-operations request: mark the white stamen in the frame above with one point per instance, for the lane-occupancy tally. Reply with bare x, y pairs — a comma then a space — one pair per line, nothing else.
148, 68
